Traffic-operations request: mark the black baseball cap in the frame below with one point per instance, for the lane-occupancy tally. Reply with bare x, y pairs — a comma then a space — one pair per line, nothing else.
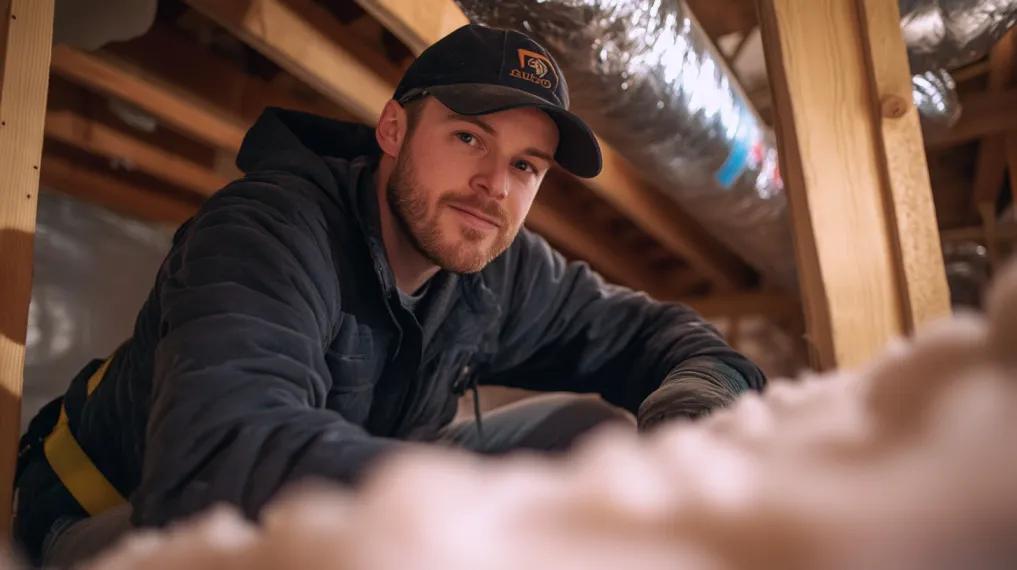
477, 70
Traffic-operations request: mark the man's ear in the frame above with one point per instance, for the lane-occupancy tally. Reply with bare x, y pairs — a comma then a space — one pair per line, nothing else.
391, 128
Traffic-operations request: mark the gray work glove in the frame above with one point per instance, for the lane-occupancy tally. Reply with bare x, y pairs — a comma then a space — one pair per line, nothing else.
691, 395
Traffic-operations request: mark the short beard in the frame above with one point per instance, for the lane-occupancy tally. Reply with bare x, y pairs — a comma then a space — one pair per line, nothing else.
408, 204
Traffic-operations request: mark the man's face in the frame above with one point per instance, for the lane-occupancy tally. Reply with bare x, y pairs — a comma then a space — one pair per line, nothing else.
462, 185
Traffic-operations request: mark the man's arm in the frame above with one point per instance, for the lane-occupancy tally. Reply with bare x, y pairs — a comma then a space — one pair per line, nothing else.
566, 329
247, 299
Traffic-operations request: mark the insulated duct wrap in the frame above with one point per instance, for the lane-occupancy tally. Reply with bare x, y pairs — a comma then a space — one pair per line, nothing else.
936, 99
649, 81
952, 33
967, 272
647, 78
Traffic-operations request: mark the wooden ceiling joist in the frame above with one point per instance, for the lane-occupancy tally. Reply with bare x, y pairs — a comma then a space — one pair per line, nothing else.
169, 103
1011, 163
284, 32
421, 23
723, 17
982, 114
990, 169
616, 264
417, 24
771, 304
222, 83
95, 137
113, 192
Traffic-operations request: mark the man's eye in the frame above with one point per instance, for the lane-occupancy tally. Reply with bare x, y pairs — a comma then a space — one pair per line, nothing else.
526, 166
466, 138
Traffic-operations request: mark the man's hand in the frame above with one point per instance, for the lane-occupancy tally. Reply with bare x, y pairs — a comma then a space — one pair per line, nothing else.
682, 397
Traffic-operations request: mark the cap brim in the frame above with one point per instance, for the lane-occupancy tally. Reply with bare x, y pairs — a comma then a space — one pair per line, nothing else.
578, 150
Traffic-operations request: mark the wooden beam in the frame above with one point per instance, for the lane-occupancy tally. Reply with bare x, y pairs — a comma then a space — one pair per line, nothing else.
723, 17
26, 35
619, 266
1004, 232
990, 166
421, 23
982, 114
178, 60
775, 305
101, 139
852, 159
169, 103
113, 192
295, 35
1011, 165
416, 24
970, 71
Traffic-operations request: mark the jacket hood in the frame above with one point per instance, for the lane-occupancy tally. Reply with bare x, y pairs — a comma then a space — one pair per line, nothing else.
296, 142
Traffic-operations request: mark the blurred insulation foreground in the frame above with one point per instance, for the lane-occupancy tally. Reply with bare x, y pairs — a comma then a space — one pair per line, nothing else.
906, 463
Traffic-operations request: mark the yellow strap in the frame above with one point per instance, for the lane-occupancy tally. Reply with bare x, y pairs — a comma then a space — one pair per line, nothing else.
96, 378
72, 465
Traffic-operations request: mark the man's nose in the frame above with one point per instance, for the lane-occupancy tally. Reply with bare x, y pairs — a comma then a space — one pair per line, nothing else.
493, 179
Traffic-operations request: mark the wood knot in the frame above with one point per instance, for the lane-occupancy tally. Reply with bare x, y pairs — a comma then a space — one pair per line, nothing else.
893, 106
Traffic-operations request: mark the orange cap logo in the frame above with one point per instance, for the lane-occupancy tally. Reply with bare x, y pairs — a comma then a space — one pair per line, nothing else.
535, 68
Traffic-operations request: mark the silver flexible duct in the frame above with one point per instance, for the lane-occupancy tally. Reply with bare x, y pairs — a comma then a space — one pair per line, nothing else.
936, 99
968, 272
952, 33
649, 80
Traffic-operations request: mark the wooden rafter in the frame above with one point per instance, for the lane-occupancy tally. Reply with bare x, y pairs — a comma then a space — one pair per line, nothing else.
561, 229
990, 168
866, 238
1011, 163
775, 305
98, 138
970, 71
221, 83
113, 192
1005, 232
26, 31
419, 24
723, 17
982, 114
172, 105
579, 224
294, 34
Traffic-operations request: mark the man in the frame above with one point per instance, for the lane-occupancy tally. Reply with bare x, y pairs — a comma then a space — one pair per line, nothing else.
329, 308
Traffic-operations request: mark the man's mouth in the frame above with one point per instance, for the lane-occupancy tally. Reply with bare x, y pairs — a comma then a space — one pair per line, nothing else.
476, 218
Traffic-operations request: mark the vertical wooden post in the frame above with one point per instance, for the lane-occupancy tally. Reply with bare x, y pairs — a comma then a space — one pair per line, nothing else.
991, 162
853, 161
26, 36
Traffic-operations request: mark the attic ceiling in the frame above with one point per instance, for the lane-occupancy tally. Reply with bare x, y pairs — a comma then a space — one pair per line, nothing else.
183, 90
